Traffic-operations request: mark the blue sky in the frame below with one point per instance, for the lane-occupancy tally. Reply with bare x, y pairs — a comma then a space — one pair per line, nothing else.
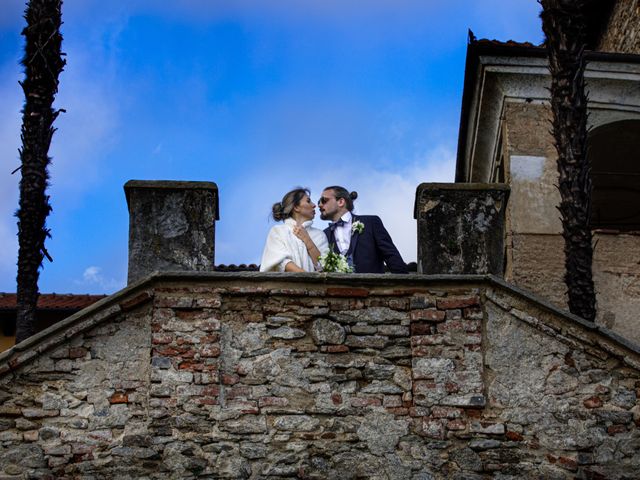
257, 96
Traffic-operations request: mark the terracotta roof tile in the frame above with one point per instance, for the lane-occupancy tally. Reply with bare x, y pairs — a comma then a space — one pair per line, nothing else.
508, 43
252, 267
52, 301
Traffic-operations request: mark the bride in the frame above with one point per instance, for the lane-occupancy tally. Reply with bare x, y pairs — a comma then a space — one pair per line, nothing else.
294, 246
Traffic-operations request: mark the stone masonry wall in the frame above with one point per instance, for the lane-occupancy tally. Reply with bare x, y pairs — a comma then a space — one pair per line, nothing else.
285, 376
622, 34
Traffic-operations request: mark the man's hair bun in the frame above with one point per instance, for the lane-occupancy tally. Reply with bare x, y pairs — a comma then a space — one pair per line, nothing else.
353, 195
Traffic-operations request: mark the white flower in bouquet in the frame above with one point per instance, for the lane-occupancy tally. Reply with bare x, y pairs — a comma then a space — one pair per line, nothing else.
334, 262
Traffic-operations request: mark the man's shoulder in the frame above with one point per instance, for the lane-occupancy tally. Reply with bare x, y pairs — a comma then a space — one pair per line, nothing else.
367, 218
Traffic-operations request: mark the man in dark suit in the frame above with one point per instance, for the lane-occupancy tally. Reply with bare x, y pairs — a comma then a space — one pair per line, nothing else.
361, 238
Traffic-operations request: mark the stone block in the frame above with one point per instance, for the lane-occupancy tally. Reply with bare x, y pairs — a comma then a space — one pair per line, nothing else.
484, 444
30, 436
421, 301
171, 226
39, 413
432, 367
363, 329
431, 315
245, 424
465, 401
393, 330
381, 432
461, 228
488, 428
298, 423
286, 333
433, 428
368, 341
382, 387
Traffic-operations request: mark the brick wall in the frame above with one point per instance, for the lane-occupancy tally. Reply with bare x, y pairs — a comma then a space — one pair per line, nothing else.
276, 376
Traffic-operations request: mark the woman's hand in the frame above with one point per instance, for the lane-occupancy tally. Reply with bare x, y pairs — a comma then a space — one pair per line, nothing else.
301, 232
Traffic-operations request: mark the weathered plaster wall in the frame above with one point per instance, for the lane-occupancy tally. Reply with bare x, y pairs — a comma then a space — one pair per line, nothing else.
622, 33
538, 266
535, 248
258, 376
531, 169
616, 268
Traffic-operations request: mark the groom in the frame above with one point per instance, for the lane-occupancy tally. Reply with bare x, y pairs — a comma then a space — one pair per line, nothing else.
361, 238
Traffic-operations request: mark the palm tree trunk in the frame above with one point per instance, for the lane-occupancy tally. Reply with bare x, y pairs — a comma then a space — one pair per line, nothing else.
43, 63
563, 23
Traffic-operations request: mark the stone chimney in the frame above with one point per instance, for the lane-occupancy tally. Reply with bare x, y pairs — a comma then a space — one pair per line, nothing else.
461, 228
171, 226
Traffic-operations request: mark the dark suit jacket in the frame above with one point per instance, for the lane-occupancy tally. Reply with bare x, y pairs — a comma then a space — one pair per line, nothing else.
372, 248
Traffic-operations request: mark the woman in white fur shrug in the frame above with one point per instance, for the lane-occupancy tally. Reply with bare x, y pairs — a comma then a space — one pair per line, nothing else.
294, 246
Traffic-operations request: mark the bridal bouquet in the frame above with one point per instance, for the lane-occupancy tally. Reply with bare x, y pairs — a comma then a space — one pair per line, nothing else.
334, 262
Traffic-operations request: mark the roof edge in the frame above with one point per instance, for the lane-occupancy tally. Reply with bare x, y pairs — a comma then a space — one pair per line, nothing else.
478, 48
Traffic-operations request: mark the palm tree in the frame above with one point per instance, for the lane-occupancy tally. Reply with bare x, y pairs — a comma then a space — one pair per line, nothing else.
43, 63
564, 25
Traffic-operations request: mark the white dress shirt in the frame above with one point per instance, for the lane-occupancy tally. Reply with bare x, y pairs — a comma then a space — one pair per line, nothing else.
342, 233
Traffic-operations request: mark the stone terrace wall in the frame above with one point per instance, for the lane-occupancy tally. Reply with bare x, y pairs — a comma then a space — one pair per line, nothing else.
267, 376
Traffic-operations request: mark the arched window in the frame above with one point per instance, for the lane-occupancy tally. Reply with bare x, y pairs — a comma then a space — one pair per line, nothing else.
614, 152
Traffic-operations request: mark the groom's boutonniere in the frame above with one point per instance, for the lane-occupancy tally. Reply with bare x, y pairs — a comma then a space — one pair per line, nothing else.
357, 226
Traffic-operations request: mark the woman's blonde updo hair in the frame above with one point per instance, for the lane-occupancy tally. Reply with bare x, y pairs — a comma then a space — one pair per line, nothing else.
284, 209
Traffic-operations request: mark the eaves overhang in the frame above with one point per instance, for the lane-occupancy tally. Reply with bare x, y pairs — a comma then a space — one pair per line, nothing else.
489, 63
475, 50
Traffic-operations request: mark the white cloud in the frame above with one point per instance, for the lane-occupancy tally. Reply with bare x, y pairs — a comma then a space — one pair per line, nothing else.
91, 274
390, 194
92, 277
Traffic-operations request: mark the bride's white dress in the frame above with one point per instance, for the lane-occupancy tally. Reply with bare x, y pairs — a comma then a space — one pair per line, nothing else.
283, 247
